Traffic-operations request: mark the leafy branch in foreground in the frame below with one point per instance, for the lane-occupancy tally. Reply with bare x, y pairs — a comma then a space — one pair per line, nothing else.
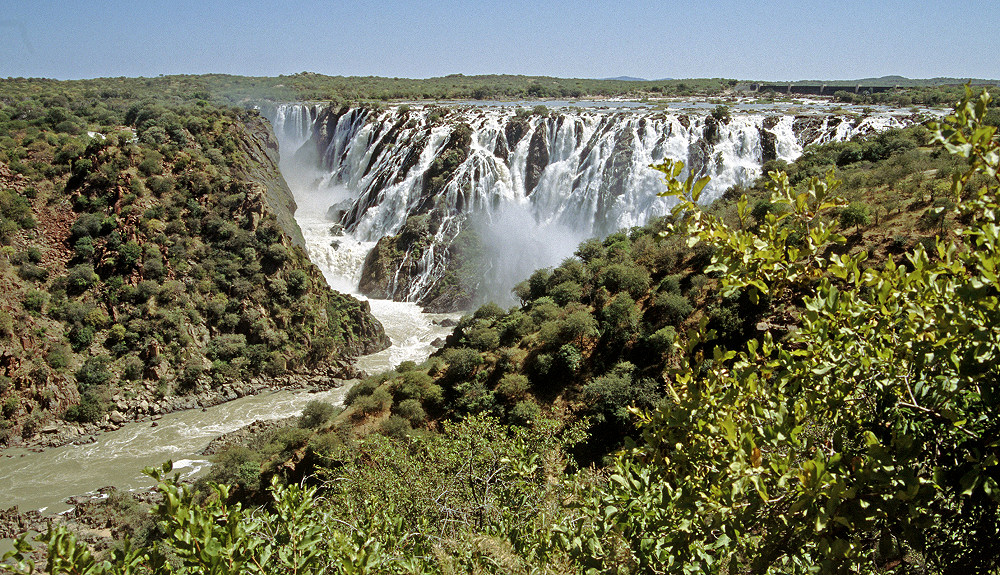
867, 439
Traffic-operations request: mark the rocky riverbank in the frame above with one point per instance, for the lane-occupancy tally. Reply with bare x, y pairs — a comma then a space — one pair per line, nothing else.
241, 435
99, 520
145, 404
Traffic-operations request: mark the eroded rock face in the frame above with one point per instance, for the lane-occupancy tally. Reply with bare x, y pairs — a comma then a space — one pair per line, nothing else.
515, 129
257, 141
397, 263
615, 180
700, 158
711, 133
379, 269
807, 128
538, 158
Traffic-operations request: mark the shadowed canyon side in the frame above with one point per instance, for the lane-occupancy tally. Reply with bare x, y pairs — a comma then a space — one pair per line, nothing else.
431, 184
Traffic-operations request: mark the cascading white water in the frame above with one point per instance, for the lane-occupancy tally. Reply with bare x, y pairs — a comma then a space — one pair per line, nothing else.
585, 170
340, 257
292, 124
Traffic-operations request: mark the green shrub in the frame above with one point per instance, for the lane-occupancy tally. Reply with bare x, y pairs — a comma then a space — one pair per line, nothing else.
80, 337
662, 341
81, 277
10, 406
87, 224
58, 355
569, 358
672, 307
474, 397
628, 278
90, 409
405, 366
525, 413
6, 324
35, 300
129, 254
188, 377
488, 311
670, 284
227, 346
413, 384
32, 272
316, 413
372, 404
513, 387
298, 282
84, 248
94, 372
236, 465
412, 411
855, 215
515, 326
395, 426
132, 368
566, 292
363, 388
462, 362
483, 338
620, 318
544, 309
30, 426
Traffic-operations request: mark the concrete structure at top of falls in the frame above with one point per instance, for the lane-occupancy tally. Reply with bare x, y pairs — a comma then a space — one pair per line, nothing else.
413, 177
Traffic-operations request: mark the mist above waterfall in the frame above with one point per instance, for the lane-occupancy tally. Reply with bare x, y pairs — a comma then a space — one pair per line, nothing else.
515, 244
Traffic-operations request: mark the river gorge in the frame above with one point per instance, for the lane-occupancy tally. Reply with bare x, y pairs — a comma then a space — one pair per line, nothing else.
391, 199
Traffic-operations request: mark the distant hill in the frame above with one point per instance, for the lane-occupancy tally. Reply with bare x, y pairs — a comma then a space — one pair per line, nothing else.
901, 81
634, 79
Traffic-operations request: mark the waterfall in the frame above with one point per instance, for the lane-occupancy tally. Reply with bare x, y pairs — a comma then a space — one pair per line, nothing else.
292, 123
581, 171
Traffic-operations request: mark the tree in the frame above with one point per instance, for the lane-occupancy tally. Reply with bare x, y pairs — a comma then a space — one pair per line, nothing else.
855, 215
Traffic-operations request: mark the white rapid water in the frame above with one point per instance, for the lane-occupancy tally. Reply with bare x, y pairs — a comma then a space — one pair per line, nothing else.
46, 479
340, 257
578, 171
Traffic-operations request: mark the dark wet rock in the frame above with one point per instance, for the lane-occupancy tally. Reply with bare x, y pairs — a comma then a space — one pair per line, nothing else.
449, 300
808, 128
14, 522
515, 129
538, 158
613, 183
768, 146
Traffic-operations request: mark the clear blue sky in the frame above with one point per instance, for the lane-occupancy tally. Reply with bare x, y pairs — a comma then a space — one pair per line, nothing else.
762, 39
